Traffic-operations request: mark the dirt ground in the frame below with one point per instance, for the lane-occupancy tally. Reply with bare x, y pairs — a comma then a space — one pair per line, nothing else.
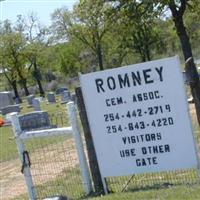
12, 183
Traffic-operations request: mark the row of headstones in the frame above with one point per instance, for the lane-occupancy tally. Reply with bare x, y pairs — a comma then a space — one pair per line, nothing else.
38, 118
29, 121
65, 97
35, 102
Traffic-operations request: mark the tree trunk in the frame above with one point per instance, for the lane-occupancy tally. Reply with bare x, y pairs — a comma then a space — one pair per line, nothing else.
191, 71
40, 88
14, 86
147, 52
24, 84
183, 36
99, 56
23, 81
38, 78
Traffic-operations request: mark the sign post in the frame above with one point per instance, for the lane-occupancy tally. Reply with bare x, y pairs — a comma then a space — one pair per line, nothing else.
139, 118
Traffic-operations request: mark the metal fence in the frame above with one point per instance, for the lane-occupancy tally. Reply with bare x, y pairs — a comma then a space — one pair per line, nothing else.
55, 167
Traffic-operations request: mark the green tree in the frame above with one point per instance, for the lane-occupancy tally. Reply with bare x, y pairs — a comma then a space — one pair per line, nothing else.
36, 42
87, 23
138, 26
12, 45
192, 22
32, 53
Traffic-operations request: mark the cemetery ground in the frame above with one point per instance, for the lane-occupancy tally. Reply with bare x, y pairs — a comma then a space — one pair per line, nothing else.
149, 187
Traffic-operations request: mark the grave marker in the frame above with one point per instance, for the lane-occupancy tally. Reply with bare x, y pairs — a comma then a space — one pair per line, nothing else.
65, 96
30, 99
36, 104
10, 109
51, 97
6, 99
34, 120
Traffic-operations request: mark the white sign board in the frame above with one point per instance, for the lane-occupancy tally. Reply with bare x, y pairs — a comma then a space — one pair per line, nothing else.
139, 118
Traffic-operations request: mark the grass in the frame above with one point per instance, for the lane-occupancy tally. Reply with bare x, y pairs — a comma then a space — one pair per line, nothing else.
160, 192
7, 143
175, 193
65, 185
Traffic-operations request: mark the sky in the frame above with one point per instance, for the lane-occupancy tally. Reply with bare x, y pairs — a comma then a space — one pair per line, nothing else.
9, 9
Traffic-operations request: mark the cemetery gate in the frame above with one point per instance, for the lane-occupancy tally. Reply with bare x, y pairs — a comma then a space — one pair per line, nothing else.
51, 158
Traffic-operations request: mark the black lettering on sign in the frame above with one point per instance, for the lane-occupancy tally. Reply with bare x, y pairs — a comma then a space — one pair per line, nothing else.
146, 161
147, 77
159, 71
114, 101
146, 96
127, 153
111, 83
134, 78
156, 149
123, 81
141, 138
99, 85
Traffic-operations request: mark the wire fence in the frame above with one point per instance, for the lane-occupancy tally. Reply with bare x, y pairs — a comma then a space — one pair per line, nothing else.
55, 168
53, 161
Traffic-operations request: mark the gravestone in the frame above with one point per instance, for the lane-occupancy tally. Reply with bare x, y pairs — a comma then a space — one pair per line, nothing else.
65, 96
36, 104
30, 99
34, 120
73, 98
17, 100
6, 99
8, 118
10, 109
51, 97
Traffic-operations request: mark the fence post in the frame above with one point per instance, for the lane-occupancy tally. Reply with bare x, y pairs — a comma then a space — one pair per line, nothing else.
20, 146
100, 185
79, 147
